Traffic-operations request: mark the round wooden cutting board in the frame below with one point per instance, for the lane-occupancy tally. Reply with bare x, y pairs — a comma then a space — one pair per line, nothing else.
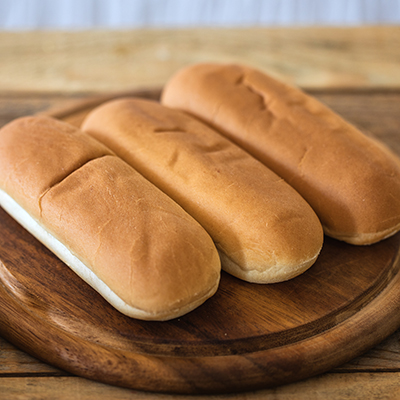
246, 337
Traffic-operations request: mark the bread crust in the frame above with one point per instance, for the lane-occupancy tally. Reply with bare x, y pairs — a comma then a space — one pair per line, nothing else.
128, 240
264, 230
351, 181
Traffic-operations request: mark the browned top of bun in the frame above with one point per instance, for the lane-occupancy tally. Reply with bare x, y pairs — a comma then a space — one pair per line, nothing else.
262, 227
350, 181
137, 240
34, 158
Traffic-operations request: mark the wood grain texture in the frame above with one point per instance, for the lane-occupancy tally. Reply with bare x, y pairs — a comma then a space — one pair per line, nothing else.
14, 362
14, 105
119, 60
328, 386
385, 357
285, 332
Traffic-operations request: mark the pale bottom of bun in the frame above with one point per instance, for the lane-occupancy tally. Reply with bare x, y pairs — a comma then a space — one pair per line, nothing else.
274, 274
363, 239
85, 273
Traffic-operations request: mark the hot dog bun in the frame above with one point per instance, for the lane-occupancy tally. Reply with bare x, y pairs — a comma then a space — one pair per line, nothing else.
116, 230
351, 181
264, 230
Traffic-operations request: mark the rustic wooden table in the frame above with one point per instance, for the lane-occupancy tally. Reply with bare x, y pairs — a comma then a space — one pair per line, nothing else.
356, 71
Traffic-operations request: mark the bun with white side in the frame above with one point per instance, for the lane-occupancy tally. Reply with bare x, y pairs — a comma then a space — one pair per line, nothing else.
133, 244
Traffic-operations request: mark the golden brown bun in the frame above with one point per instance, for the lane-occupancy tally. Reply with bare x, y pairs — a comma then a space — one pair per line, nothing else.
121, 234
264, 230
351, 182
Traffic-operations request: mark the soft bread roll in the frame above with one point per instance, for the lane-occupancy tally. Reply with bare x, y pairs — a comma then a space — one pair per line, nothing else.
264, 230
128, 240
350, 180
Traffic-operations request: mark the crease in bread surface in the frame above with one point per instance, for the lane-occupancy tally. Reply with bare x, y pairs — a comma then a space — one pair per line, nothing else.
351, 180
62, 252
255, 218
116, 230
263, 100
54, 184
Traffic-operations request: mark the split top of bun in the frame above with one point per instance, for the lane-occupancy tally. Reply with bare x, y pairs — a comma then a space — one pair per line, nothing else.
157, 260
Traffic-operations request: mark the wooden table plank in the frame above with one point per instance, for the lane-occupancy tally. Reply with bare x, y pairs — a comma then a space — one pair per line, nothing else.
369, 386
114, 60
14, 105
14, 362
